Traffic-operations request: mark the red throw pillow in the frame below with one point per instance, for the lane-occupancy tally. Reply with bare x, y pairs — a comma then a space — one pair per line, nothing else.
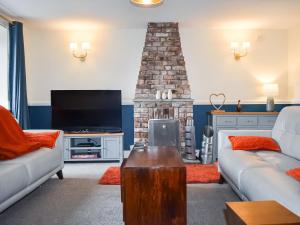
253, 143
295, 173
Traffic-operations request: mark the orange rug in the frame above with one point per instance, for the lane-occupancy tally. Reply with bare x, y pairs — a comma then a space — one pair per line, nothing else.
196, 173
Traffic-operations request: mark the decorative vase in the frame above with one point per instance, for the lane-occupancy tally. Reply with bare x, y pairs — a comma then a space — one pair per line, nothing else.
158, 95
270, 107
164, 96
170, 94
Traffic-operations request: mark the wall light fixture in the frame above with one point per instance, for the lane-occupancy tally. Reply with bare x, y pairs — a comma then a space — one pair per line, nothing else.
240, 49
80, 52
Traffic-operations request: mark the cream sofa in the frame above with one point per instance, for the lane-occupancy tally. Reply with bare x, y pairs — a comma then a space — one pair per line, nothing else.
20, 176
261, 175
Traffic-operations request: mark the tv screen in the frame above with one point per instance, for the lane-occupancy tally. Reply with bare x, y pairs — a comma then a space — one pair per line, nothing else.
86, 110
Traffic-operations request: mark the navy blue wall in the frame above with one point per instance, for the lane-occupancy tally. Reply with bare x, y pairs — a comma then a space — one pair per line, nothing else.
40, 117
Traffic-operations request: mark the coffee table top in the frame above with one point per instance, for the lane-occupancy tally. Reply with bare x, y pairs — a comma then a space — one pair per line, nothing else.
154, 157
263, 212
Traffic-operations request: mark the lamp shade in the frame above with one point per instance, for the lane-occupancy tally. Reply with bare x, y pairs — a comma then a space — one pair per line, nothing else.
73, 46
85, 45
246, 44
271, 90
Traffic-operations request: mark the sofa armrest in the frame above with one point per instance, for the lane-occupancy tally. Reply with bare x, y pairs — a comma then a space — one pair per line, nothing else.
223, 141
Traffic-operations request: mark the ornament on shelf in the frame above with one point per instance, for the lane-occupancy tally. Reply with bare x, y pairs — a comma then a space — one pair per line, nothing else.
217, 101
239, 106
170, 94
164, 95
158, 95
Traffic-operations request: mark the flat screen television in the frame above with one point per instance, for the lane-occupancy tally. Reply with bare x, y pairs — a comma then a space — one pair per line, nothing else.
86, 110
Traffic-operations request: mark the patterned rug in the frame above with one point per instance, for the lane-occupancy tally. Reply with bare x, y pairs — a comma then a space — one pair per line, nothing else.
196, 173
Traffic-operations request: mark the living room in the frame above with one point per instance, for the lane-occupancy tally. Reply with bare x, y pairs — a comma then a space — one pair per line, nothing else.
92, 92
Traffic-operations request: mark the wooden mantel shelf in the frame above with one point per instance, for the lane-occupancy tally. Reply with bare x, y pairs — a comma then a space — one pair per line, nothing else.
164, 100
242, 113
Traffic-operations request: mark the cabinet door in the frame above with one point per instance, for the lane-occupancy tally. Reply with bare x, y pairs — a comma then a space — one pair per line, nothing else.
66, 149
111, 148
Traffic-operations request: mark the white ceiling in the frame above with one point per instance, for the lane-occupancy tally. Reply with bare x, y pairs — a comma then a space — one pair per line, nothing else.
120, 13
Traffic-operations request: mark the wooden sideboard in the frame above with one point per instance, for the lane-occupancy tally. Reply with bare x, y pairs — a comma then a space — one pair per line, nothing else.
239, 121
153, 187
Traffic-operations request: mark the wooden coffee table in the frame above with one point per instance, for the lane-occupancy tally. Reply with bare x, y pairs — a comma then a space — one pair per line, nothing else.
153, 187
259, 213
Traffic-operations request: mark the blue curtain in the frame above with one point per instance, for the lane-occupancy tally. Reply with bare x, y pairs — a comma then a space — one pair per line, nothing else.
17, 75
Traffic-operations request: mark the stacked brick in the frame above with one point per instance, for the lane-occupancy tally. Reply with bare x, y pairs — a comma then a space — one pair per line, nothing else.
163, 65
162, 68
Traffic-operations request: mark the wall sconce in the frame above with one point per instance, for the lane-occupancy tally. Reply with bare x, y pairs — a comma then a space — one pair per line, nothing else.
240, 49
80, 53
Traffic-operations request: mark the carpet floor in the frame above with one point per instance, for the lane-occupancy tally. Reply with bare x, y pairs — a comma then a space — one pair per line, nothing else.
79, 201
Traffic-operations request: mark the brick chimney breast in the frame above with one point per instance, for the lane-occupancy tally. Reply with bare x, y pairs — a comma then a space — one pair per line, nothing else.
162, 68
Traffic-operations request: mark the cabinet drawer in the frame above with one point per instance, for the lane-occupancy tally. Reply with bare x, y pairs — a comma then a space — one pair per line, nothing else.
226, 121
247, 121
267, 121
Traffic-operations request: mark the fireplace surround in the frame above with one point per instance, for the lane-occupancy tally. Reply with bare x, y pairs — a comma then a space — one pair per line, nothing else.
162, 69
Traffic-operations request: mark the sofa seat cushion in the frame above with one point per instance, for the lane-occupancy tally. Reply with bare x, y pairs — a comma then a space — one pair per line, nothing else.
279, 161
39, 163
13, 178
269, 183
234, 163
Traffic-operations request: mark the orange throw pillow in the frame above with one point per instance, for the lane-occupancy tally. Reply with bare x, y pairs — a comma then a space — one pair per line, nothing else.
295, 173
253, 143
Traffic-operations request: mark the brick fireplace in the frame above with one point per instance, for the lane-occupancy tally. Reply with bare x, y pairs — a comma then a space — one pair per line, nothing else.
162, 68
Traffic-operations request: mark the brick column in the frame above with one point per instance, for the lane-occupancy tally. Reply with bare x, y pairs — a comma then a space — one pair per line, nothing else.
162, 68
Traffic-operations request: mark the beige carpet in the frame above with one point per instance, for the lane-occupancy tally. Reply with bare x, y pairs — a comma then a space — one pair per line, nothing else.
79, 200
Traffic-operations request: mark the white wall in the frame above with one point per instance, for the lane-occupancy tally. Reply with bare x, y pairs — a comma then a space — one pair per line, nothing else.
114, 60
294, 64
112, 63
212, 68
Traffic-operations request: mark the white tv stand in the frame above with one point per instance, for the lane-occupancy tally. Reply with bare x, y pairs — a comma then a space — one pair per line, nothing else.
93, 147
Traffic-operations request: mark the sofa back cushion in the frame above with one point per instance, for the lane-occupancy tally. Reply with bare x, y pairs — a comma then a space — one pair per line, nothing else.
287, 131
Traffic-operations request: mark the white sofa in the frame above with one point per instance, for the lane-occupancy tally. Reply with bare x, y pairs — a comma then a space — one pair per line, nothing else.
20, 176
261, 175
